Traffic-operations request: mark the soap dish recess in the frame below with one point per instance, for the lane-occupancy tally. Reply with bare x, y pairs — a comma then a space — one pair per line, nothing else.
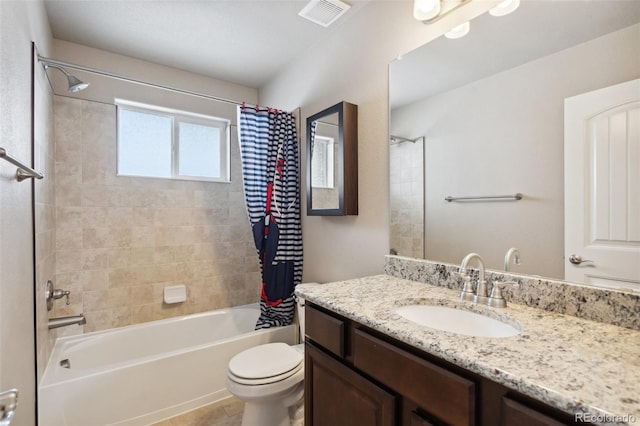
175, 294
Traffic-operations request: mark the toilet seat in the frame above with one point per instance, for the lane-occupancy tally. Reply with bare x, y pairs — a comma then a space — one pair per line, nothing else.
265, 364
265, 380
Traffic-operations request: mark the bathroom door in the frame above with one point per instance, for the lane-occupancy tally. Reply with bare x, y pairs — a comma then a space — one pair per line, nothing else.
602, 187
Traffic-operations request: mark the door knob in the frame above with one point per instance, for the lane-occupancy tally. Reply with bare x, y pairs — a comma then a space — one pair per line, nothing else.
577, 259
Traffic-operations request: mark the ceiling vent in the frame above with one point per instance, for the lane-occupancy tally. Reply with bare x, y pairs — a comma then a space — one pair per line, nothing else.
324, 12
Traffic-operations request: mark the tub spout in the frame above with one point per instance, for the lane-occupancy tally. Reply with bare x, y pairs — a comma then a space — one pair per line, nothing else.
64, 321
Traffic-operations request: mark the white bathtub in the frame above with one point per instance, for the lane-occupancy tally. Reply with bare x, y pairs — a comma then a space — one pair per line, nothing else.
141, 374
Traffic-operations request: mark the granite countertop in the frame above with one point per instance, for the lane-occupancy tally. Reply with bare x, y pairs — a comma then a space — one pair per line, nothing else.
576, 365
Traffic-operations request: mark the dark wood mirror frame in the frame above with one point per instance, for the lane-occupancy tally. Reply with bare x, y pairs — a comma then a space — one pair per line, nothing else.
346, 161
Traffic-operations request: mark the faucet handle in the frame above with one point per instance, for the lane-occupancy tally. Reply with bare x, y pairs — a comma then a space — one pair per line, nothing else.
467, 289
59, 294
496, 300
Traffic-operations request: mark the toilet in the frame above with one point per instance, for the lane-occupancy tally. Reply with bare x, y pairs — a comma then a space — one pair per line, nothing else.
269, 379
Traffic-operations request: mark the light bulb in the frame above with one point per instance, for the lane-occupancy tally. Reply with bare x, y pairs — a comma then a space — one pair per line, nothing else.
424, 10
504, 8
459, 31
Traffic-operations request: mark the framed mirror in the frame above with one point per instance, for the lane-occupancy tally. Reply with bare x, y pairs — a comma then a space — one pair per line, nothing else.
332, 161
484, 116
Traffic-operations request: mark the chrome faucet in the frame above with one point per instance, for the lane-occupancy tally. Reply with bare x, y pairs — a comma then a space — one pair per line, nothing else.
64, 321
512, 252
51, 294
480, 295
496, 300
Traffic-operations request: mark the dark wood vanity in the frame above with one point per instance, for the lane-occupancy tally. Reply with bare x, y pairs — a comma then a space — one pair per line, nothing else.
357, 376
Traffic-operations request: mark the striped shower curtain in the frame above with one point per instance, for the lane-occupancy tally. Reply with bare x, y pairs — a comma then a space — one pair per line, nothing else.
269, 151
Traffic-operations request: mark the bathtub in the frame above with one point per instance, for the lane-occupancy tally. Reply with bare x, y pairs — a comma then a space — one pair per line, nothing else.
142, 374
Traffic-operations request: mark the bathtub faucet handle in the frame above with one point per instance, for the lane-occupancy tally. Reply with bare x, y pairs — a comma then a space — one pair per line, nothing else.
51, 294
58, 294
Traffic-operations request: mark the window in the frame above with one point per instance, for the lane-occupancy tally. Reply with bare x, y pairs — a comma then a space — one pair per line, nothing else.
322, 162
165, 143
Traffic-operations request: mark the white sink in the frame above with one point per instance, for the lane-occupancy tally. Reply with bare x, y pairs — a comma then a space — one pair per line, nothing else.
456, 321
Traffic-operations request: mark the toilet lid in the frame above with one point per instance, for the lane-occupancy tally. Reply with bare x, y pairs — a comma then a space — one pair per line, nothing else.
271, 359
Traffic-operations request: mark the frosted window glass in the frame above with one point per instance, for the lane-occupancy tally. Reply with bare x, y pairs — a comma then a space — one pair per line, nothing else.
165, 143
144, 144
199, 150
322, 162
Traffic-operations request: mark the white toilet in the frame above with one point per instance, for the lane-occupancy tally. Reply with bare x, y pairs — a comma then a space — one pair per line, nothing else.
269, 379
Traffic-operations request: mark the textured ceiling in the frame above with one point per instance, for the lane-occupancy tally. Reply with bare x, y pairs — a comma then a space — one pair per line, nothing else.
241, 41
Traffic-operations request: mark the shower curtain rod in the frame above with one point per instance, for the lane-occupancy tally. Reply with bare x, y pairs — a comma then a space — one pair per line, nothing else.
49, 61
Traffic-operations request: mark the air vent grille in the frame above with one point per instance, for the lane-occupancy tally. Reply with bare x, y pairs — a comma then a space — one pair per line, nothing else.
324, 12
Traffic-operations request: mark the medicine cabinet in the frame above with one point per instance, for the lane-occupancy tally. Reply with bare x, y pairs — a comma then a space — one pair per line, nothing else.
332, 161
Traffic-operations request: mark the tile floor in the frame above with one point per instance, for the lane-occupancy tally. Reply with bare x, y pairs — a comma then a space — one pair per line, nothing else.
227, 412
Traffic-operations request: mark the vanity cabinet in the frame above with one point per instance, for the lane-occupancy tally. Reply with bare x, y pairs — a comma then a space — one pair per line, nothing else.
338, 395
358, 376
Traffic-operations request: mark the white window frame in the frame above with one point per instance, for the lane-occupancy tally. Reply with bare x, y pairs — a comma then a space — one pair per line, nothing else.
177, 117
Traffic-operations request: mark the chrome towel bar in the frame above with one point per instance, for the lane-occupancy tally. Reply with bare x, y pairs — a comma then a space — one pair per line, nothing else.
23, 172
514, 197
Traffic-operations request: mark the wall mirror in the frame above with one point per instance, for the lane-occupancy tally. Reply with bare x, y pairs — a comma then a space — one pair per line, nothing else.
484, 115
332, 161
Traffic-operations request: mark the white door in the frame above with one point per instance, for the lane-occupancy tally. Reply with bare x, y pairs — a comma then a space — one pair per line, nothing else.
602, 187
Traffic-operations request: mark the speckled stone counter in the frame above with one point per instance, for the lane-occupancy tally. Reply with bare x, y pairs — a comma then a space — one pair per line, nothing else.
576, 365
593, 303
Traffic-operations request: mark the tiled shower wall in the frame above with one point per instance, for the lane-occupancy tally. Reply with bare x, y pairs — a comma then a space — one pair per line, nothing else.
120, 240
406, 180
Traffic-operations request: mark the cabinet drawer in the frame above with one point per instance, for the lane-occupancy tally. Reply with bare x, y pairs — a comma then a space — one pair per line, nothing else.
325, 330
516, 414
443, 394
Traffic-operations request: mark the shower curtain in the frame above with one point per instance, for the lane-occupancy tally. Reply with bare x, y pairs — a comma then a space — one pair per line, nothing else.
269, 152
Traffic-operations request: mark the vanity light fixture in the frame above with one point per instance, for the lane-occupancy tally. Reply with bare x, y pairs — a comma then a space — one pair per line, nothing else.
424, 10
459, 31
504, 8
430, 11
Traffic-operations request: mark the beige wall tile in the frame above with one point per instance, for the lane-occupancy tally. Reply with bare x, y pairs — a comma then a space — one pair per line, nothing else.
97, 279
95, 258
68, 239
120, 240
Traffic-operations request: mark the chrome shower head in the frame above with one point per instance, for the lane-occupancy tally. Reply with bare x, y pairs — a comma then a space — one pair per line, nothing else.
75, 84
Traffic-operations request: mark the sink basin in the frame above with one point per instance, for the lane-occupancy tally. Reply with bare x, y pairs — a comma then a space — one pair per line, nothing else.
456, 321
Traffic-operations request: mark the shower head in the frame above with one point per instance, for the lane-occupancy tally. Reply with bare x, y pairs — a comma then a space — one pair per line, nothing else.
75, 84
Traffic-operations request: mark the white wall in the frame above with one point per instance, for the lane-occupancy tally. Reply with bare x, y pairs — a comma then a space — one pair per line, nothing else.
502, 135
106, 89
20, 23
351, 64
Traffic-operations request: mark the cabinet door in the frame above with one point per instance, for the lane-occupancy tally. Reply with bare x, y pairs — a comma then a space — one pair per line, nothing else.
516, 414
417, 420
335, 395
